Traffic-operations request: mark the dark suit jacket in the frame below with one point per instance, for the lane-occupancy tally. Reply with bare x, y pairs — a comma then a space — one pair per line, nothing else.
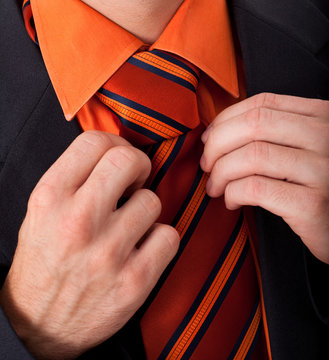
285, 50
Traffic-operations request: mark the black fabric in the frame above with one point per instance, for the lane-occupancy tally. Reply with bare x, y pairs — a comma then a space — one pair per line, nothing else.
278, 58
319, 291
11, 347
284, 53
296, 330
17, 70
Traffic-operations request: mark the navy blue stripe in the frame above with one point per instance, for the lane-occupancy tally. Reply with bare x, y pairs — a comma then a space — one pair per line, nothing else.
153, 150
140, 129
206, 286
175, 61
195, 184
36, 39
195, 342
188, 233
184, 241
164, 119
162, 73
26, 4
164, 168
253, 345
244, 331
211, 315
33, 27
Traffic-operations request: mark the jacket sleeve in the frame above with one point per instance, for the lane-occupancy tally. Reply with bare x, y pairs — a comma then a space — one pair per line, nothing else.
11, 347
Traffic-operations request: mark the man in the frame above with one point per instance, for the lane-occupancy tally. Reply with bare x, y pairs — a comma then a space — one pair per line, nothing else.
65, 262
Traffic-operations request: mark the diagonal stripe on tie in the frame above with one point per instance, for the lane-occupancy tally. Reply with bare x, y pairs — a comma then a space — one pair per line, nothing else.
174, 73
136, 116
162, 156
176, 61
185, 222
249, 336
207, 303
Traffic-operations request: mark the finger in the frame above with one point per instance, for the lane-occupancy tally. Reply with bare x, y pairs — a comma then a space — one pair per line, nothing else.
281, 198
74, 166
119, 168
133, 220
270, 160
272, 126
149, 261
303, 209
285, 103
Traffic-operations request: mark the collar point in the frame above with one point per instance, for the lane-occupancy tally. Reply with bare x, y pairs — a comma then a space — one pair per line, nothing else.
236, 93
68, 116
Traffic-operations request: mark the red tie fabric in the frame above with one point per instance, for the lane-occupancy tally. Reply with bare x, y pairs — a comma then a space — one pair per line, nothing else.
206, 305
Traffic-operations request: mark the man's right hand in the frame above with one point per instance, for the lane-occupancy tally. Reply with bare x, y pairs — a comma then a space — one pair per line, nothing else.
77, 275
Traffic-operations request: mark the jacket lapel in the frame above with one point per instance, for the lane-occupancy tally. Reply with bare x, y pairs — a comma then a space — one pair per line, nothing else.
305, 21
284, 50
31, 136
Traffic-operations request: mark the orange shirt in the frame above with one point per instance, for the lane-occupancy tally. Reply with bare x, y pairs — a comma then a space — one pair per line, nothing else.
69, 30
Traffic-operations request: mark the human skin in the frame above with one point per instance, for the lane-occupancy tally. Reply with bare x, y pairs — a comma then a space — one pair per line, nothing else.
86, 248
78, 274
146, 19
273, 151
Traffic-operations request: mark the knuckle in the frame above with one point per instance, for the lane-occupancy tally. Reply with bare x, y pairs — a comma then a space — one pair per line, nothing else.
266, 100
94, 137
122, 156
43, 195
254, 119
149, 201
171, 237
257, 152
256, 187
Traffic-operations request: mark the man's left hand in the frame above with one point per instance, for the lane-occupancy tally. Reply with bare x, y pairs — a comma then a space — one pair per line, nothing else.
273, 151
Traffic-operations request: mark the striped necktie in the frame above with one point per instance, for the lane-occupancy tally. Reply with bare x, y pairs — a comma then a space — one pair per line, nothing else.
153, 96
206, 304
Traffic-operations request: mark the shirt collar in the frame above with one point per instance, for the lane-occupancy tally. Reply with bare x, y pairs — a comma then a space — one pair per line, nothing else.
82, 49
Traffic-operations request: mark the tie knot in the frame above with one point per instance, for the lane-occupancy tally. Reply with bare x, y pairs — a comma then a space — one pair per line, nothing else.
169, 66
153, 94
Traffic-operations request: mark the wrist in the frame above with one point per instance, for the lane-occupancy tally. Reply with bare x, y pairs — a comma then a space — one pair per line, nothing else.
38, 341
